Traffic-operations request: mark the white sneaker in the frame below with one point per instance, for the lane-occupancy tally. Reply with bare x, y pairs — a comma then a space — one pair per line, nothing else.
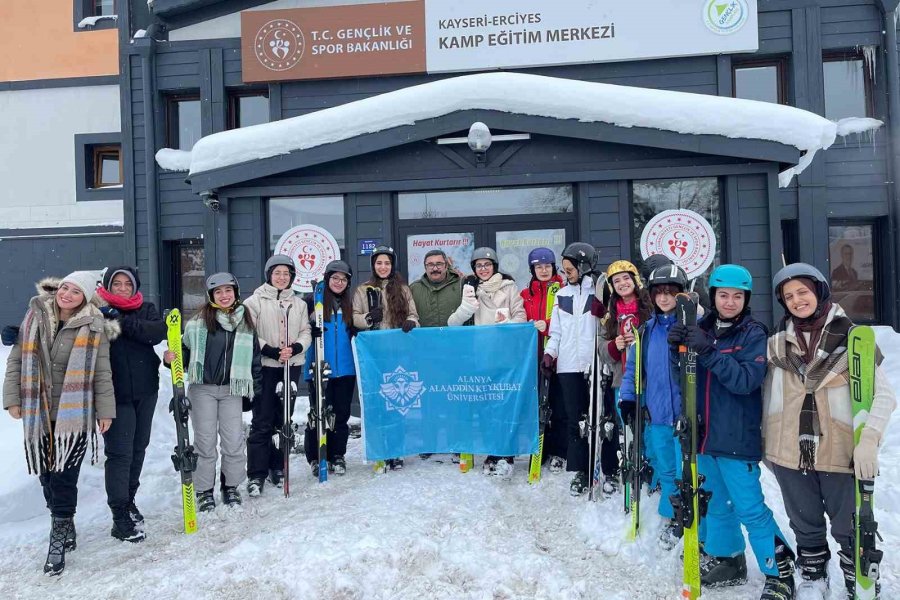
503, 469
557, 464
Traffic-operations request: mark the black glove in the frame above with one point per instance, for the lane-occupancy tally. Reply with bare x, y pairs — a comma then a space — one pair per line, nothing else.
246, 404
698, 340
315, 331
677, 334
375, 316
408, 325
548, 365
9, 335
627, 408
270, 352
296, 348
109, 312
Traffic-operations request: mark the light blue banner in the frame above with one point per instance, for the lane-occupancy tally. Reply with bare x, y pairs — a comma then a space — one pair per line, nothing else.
448, 389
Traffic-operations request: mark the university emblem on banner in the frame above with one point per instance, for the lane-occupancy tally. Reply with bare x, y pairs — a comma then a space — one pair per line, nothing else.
312, 248
402, 390
682, 235
279, 45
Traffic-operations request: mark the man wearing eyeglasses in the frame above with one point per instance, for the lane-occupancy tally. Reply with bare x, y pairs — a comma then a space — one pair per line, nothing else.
438, 292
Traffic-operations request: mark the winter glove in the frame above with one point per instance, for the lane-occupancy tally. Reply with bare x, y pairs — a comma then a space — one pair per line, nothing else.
597, 308
109, 312
548, 365
270, 352
246, 404
677, 334
408, 325
698, 340
315, 331
9, 335
296, 348
865, 456
627, 408
375, 316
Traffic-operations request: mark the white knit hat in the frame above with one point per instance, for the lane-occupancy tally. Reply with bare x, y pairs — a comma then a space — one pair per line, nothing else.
85, 280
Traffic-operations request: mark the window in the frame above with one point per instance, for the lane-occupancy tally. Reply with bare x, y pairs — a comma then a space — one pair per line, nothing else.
649, 198
325, 211
183, 126
848, 86
189, 277
760, 80
853, 259
248, 108
106, 166
486, 202
790, 241
104, 7
98, 166
85, 13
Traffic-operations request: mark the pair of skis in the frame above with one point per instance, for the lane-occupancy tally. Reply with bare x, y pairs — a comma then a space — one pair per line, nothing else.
534, 471
286, 391
321, 413
597, 425
636, 470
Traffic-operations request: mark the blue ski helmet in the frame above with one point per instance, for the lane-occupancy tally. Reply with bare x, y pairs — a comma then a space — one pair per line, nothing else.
731, 276
541, 256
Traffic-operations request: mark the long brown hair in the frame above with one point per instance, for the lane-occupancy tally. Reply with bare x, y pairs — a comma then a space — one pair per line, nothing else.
645, 309
345, 302
207, 314
397, 305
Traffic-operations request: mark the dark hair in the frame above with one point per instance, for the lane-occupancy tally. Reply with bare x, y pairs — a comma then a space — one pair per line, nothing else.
207, 314
397, 305
645, 309
346, 303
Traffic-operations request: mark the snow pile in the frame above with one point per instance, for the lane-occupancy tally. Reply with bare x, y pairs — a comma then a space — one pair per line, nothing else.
681, 112
92, 21
852, 125
139, 34
173, 160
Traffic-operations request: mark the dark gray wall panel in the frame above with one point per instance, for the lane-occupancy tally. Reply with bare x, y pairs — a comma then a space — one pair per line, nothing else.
754, 244
245, 243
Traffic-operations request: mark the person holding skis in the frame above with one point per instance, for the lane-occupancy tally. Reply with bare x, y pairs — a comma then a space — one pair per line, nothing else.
489, 297
270, 305
808, 427
437, 293
385, 302
629, 305
337, 333
58, 381
536, 300
223, 359
731, 366
570, 351
661, 394
135, 375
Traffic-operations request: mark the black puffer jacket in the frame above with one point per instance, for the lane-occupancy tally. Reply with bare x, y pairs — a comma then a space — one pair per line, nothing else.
135, 365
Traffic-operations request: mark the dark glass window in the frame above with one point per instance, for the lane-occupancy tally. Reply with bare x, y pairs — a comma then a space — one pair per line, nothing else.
485, 202
104, 7
763, 81
853, 269
847, 87
190, 277
790, 241
248, 108
183, 122
106, 166
325, 211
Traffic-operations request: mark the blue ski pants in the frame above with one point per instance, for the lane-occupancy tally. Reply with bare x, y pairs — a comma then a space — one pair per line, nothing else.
661, 450
737, 499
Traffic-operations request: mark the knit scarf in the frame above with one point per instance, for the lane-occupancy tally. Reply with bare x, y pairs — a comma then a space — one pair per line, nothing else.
133, 303
829, 357
240, 375
813, 326
51, 448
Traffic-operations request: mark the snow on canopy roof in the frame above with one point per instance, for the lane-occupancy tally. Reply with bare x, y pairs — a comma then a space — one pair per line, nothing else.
520, 93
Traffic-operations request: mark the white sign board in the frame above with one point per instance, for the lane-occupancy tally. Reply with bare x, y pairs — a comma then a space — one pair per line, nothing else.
513, 248
312, 248
457, 246
469, 35
682, 235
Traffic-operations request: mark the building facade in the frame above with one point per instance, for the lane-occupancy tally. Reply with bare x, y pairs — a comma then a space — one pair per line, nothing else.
541, 180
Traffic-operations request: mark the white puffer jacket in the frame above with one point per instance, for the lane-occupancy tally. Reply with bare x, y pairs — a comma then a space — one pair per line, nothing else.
572, 328
267, 306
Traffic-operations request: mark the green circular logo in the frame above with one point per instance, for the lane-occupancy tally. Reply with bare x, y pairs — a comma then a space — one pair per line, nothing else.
725, 17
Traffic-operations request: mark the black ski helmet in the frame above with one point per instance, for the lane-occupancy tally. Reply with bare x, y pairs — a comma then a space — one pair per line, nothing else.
218, 280
378, 251
279, 260
653, 262
583, 256
801, 271
485, 253
668, 275
338, 266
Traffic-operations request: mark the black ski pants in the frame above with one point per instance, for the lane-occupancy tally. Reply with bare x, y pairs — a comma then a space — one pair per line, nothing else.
61, 488
556, 435
576, 396
125, 444
338, 395
268, 417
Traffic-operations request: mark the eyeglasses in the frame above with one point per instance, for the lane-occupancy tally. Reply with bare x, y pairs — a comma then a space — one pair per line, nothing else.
436, 265
337, 279
484, 267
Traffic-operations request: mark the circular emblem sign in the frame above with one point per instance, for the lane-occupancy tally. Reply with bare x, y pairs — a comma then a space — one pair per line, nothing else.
279, 45
683, 236
312, 248
725, 17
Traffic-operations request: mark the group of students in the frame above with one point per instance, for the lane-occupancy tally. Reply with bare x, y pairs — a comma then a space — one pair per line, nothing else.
84, 354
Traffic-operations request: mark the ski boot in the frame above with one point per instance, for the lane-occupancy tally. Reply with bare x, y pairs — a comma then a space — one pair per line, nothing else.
276, 476
56, 553
724, 571
231, 496
781, 586
394, 464
848, 567
557, 464
123, 528
813, 566
490, 466
338, 465
579, 484
668, 535
206, 502
610, 485
314, 467
454, 458
503, 467
255, 487
136, 516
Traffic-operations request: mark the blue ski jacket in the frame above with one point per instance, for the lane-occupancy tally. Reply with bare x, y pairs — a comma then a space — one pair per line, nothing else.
662, 393
729, 389
338, 352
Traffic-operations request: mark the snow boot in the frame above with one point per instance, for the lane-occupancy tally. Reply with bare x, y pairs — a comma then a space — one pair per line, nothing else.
71, 542
668, 536
56, 553
136, 517
610, 485
231, 496
425, 455
255, 487
314, 468
338, 465
276, 476
394, 464
123, 528
557, 464
454, 458
781, 586
723, 571
206, 502
489, 467
579, 484
813, 566
503, 468
848, 567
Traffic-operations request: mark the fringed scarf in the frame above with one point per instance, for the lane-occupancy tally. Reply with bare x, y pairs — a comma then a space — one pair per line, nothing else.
828, 357
53, 447
241, 375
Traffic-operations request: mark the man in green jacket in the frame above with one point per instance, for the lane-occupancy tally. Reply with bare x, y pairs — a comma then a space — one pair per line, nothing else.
438, 292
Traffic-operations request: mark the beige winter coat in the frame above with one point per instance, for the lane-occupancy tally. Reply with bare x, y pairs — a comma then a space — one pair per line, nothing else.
783, 398
495, 293
267, 306
361, 308
61, 348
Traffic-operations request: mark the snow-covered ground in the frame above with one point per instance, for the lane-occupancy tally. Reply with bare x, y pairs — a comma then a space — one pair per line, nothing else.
427, 532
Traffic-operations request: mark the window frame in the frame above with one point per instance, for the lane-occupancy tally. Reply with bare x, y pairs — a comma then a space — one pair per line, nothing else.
85, 171
85, 8
781, 65
234, 98
879, 270
868, 80
172, 120
98, 154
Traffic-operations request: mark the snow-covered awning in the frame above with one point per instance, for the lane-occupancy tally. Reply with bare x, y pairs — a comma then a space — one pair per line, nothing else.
564, 100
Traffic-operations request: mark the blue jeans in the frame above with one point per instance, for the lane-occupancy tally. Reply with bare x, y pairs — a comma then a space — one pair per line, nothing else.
661, 450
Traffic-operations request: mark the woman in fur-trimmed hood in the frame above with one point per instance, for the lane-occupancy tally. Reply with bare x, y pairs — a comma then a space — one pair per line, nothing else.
58, 381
